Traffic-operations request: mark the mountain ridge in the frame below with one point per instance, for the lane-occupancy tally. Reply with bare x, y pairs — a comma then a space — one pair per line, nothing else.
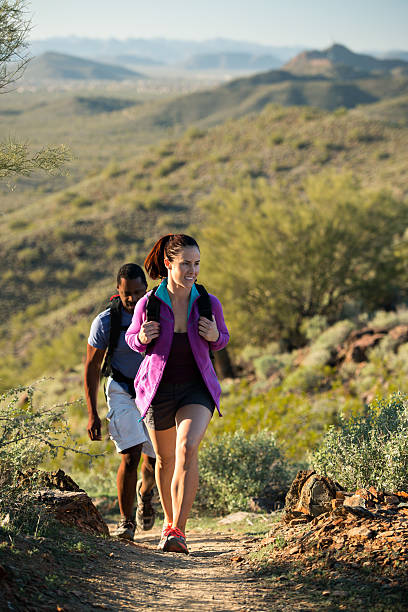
52, 65
322, 62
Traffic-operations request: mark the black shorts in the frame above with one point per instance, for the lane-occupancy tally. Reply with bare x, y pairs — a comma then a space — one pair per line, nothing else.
171, 397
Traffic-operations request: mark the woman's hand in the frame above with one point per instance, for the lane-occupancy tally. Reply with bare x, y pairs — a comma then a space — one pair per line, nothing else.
208, 329
149, 331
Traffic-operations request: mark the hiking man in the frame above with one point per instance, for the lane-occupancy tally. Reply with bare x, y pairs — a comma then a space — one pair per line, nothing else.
106, 343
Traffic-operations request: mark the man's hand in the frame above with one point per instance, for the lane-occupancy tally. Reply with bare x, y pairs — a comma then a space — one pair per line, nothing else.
208, 329
149, 331
94, 427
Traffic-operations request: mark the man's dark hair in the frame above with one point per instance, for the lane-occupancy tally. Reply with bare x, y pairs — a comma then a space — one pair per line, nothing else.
131, 270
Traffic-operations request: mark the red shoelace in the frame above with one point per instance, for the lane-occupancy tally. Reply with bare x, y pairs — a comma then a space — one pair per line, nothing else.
177, 532
166, 530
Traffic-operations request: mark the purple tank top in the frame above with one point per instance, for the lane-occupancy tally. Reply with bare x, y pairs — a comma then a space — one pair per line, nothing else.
181, 366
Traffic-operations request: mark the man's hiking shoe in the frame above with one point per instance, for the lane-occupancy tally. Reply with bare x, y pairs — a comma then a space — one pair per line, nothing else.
125, 530
175, 542
165, 532
145, 513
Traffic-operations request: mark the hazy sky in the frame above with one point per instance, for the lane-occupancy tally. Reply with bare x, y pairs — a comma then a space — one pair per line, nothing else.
359, 24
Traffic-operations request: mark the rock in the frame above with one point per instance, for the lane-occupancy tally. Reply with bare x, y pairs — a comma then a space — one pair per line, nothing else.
73, 508
361, 533
354, 500
358, 343
235, 517
359, 511
59, 480
392, 500
310, 495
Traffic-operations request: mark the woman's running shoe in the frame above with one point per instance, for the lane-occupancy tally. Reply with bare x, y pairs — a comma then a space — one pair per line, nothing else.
175, 541
165, 532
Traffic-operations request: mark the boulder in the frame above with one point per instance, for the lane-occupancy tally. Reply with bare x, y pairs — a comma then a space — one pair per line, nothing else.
73, 508
359, 342
70, 504
309, 496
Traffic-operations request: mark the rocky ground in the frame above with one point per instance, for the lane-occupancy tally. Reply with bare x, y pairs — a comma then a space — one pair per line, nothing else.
328, 550
353, 554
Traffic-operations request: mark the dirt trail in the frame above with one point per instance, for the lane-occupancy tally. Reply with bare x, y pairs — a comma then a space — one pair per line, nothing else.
142, 578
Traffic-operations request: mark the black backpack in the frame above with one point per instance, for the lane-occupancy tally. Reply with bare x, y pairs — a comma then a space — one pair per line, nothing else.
114, 333
203, 303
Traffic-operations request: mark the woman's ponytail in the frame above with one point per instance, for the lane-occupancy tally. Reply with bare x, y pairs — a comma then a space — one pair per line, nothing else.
154, 262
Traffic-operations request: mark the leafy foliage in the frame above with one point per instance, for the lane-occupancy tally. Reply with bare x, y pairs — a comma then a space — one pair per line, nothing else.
235, 467
294, 254
15, 157
368, 450
14, 29
29, 434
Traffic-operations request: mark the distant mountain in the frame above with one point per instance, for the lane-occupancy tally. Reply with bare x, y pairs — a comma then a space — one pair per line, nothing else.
160, 49
329, 60
137, 60
251, 94
57, 66
396, 54
232, 61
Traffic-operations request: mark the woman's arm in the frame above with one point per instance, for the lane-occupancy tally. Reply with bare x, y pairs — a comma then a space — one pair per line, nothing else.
223, 338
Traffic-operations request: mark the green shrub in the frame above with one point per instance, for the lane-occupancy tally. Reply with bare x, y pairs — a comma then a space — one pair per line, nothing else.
19, 224
335, 335
235, 467
194, 133
170, 165
388, 320
29, 434
313, 327
370, 449
306, 378
276, 139
81, 202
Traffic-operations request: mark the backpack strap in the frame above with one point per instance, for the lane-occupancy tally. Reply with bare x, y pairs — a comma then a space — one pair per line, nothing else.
204, 309
204, 302
153, 306
114, 333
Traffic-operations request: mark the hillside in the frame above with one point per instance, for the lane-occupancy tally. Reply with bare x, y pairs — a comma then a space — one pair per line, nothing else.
326, 62
252, 94
58, 66
63, 250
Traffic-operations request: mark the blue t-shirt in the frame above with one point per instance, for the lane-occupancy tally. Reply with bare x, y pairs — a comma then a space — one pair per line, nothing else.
124, 359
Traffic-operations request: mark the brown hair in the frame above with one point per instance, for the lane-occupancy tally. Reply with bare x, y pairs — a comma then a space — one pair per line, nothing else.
166, 247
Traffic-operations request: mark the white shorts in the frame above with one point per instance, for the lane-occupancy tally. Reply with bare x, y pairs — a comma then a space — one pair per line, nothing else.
125, 429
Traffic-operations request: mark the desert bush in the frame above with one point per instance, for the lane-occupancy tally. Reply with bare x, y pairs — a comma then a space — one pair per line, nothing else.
321, 246
388, 320
194, 133
170, 165
235, 467
313, 327
19, 224
335, 335
81, 202
368, 450
306, 379
29, 434
268, 364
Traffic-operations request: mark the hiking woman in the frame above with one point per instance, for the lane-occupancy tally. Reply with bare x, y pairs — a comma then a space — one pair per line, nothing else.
176, 386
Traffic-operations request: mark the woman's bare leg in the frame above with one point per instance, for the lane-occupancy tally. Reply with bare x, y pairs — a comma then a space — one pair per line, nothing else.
164, 444
192, 421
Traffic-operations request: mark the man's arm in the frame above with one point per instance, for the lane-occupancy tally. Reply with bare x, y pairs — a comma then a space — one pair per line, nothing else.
94, 358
